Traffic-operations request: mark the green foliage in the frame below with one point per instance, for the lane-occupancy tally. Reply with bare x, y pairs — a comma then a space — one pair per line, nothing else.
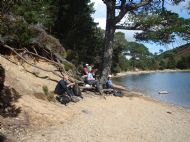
162, 65
175, 58
34, 12
171, 63
68, 66
15, 31
77, 31
162, 27
140, 56
49, 95
184, 63
45, 90
137, 49
120, 63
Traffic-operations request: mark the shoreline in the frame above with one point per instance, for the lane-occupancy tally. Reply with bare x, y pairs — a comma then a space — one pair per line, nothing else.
142, 95
128, 93
121, 74
148, 98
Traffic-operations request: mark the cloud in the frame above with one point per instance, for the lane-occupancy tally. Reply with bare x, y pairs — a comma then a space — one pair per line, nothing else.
100, 13
181, 9
101, 22
100, 8
98, 3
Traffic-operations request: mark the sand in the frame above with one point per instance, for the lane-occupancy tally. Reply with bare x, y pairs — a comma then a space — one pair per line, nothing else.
132, 119
94, 119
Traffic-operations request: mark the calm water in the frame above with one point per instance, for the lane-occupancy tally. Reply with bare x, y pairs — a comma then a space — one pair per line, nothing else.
176, 83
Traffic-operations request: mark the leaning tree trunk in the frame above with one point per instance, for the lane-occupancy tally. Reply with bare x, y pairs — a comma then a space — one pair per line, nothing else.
108, 50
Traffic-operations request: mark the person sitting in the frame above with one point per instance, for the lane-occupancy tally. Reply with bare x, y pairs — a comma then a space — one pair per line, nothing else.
93, 70
65, 90
109, 84
85, 69
91, 81
90, 67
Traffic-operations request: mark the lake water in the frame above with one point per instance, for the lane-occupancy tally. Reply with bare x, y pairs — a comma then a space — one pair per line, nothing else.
176, 83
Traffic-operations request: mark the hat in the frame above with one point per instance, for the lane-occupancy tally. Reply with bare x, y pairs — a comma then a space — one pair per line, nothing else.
109, 75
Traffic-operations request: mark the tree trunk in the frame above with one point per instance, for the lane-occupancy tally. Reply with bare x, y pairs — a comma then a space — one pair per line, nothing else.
108, 50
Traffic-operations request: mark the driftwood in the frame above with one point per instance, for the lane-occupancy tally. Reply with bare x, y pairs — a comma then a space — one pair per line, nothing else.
92, 88
83, 88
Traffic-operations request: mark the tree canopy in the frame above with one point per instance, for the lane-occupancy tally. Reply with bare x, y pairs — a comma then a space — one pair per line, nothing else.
71, 22
153, 19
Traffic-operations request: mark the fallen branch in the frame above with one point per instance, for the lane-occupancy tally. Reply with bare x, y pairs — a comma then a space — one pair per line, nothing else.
53, 62
6, 46
60, 68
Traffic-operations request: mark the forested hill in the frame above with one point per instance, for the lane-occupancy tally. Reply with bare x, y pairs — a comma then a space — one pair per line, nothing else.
179, 52
176, 58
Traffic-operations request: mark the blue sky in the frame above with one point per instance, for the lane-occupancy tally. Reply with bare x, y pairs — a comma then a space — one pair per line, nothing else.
100, 17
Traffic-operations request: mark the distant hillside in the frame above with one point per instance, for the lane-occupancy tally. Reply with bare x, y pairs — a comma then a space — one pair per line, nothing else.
175, 58
181, 51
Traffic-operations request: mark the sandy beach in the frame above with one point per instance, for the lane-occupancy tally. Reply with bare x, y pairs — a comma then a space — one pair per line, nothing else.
132, 119
145, 72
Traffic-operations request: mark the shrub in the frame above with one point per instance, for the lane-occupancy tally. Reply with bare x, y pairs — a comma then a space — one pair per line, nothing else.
49, 95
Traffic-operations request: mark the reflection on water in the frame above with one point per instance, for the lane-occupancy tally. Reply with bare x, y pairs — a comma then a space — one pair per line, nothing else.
176, 83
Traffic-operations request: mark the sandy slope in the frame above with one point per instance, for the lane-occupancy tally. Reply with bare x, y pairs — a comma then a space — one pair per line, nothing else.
93, 119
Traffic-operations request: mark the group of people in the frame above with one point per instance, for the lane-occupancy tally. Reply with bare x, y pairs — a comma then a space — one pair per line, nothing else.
89, 75
66, 90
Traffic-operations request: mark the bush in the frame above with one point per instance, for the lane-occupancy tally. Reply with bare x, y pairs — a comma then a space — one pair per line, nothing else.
68, 66
49, 95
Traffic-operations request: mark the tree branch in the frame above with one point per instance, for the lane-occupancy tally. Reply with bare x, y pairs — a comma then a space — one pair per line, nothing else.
122, 27
53, 62
6, 46
45, 77
125, 8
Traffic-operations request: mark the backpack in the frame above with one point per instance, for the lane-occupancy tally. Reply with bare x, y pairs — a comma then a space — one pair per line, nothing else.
118, 94
76, 91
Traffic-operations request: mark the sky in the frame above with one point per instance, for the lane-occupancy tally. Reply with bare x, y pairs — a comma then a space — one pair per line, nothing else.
100, 17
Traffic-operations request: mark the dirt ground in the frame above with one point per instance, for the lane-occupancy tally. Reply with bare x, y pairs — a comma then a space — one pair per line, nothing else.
93, 119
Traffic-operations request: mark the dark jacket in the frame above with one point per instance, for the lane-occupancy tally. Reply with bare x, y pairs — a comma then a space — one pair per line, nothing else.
61, 87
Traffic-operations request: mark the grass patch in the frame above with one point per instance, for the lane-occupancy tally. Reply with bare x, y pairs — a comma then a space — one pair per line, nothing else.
49, 95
